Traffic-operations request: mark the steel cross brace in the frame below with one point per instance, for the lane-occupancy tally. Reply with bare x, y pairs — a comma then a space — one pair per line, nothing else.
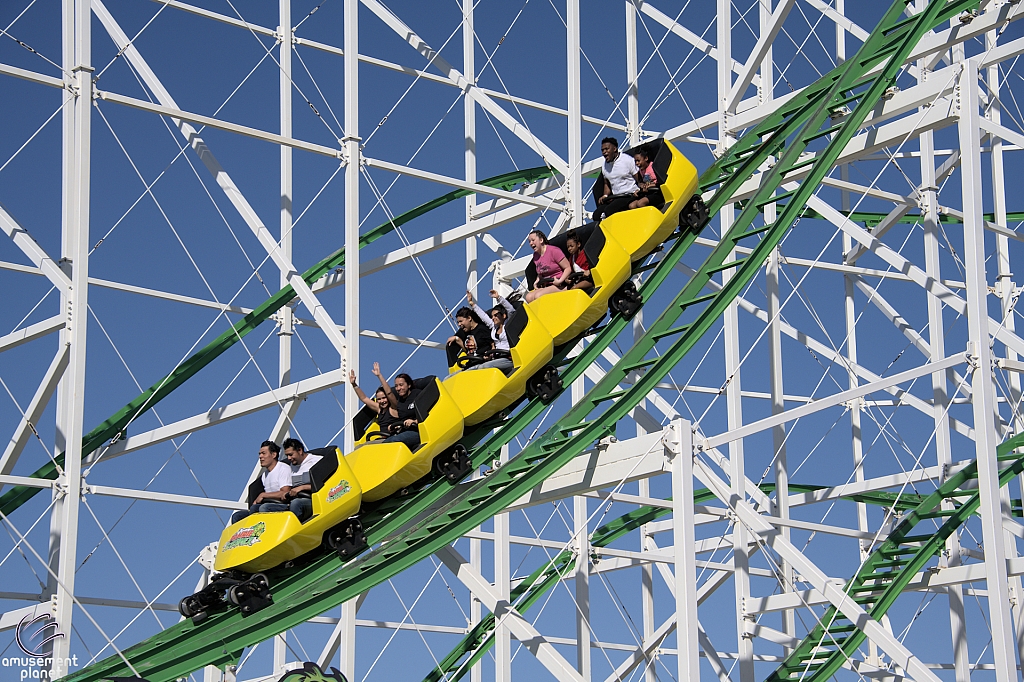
234, 195
505, 613
814, 575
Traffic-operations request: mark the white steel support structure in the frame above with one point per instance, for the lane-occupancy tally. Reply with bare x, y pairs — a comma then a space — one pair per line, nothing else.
844, 346
77, 191
983, 390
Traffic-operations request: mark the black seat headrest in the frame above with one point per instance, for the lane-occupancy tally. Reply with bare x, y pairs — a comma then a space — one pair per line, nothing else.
427, 398
516, 324
322, 471
362, 421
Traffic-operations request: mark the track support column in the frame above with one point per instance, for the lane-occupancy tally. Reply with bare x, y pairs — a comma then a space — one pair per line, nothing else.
77, 32
983, 395
353, 160
679, 447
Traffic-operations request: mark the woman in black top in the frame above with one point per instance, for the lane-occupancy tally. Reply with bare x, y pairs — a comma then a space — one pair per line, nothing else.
386, 414
469, 325
403, 397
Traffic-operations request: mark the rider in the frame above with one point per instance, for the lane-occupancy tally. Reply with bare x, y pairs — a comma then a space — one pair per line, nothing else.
650, 193
580, 277
616, 188
403, 397
386, 414
469, 324
276, 480
301, 462
495, 319
551, 264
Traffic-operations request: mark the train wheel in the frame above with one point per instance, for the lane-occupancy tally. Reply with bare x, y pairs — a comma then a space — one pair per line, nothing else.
251, 595
694, 214
626, 301
185, 607
453, 464
347, 538
545, 384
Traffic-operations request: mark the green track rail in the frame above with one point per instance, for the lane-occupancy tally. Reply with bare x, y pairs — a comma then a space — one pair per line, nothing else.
804, 139
114, 427
919, 537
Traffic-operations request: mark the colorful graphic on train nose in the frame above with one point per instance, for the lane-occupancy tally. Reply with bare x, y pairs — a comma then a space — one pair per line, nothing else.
246, 537
338, 491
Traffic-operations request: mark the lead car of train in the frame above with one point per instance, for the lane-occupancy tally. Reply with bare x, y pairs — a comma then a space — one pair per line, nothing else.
341, 483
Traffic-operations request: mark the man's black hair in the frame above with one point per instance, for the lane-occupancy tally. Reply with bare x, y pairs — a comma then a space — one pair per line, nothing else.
612, 141
294, 444
273, 446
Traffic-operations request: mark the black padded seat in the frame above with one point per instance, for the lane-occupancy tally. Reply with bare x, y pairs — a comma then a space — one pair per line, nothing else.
322, 471
362, 421
255, 488
517, 321
427, 398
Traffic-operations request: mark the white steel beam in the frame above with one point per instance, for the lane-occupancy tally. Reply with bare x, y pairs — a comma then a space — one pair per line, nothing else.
30, 247
505, 613
489, 105
32, 332
875, 631
234, 195
686, 34
77, 172
277, 397
757, 54
831, 401
986, 434
32, 76
27, 425
154, 496
839, 18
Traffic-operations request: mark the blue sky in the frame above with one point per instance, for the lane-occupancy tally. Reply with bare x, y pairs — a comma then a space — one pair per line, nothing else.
185, 238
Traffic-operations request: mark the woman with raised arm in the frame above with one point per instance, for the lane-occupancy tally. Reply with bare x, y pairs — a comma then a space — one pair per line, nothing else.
380, 403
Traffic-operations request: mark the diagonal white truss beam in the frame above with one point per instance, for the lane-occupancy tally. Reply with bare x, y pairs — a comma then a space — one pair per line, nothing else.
832, 400
222, 178
764, 43
507, 615
277, 397
489, 105
31, 332
30, 247
26, 426
810, 572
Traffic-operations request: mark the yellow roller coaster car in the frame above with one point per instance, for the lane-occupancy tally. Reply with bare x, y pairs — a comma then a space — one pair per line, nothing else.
262, 541
374, 470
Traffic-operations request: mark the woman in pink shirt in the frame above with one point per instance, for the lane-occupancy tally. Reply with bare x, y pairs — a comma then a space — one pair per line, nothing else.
647, 181
552, 266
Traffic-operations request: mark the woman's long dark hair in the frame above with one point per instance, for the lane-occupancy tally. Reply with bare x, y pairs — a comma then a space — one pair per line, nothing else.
468, 313
543, 237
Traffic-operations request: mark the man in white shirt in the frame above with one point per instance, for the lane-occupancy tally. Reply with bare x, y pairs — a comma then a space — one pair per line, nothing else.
301, 462
616, 187
276, 479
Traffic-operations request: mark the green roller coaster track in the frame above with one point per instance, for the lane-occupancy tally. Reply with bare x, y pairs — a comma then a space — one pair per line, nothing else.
472, 647
803, 140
